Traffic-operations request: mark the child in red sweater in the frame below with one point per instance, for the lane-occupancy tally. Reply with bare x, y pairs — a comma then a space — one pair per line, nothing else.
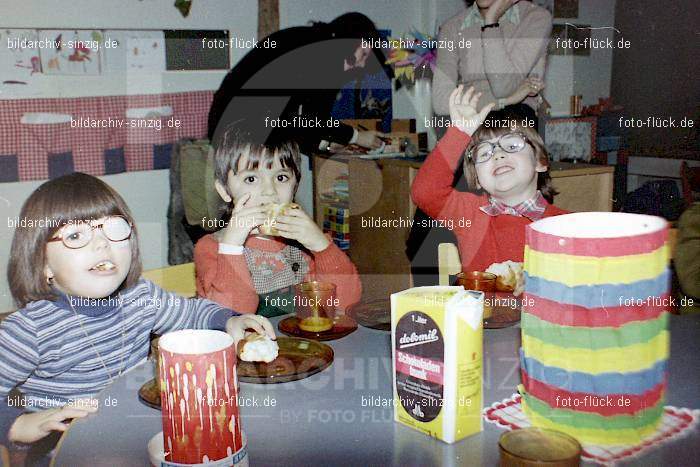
240, 269
505, 165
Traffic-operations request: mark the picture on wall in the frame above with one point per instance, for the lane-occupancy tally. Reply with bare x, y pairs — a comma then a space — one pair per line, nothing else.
566, 8
71, 52
570, 39
135, 51
19, 56
571, 139
558, 37
580, 34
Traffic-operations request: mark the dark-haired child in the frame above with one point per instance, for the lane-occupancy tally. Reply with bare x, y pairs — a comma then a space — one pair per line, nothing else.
85, 313
251, 273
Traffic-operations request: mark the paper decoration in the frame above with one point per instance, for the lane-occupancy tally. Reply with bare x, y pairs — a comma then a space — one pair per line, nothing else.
19, 55
199, 396
183, 7
101, 136
570, 138
71, 52
594, 325
135, 51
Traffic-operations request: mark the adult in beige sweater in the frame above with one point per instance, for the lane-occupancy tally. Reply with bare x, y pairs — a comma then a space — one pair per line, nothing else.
506, 57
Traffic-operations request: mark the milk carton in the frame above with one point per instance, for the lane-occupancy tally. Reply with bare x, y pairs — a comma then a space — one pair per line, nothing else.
436, 342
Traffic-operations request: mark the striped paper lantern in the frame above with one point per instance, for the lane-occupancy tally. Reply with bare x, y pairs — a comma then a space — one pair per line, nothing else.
199, 398
594, 325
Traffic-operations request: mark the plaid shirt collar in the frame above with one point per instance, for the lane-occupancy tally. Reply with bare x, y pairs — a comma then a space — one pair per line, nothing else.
532, 208
474, 18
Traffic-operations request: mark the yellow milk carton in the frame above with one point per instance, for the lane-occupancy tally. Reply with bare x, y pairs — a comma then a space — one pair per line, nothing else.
436, 343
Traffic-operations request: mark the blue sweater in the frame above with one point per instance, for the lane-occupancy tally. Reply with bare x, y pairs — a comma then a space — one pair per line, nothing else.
45, 353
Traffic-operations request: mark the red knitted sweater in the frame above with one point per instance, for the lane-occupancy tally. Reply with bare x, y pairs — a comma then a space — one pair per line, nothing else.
226, 279
482, 239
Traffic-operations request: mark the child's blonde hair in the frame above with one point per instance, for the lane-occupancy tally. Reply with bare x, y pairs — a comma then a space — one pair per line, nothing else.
501, 122
70, 198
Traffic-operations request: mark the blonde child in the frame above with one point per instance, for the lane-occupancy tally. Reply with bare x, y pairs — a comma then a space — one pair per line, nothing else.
506, 168
251, 273
85, 314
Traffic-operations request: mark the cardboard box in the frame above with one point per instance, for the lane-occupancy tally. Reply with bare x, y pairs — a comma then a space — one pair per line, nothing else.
405, 125
437, 347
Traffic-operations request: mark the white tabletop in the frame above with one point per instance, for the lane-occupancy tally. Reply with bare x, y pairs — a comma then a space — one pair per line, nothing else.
325, 419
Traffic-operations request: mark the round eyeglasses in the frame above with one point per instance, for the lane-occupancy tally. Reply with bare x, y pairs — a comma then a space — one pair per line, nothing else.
79, 233
510, 143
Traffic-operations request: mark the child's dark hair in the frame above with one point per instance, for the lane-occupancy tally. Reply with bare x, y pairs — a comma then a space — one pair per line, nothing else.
500, 122
261, 145
70, 198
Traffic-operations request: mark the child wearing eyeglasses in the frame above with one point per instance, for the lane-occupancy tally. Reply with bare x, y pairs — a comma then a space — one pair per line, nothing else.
85, 313
506, 169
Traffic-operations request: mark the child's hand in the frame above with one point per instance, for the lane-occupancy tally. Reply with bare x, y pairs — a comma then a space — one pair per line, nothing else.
237, 326
243, 220
32, 427
295, 224
463, 111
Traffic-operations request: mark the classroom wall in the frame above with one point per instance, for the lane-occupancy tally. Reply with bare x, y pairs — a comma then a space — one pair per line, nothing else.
240, 17
146, 193
588, 76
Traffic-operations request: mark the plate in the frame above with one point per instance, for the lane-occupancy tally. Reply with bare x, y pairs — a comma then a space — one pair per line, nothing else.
149, 394
342, 326
375, 314
297, 359
506, 311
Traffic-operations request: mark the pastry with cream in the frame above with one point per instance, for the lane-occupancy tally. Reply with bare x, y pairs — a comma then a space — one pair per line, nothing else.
510, 276
258, 348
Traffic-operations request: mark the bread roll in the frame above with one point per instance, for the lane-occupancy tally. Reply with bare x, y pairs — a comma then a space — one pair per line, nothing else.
508, 273
258, 348
274, 210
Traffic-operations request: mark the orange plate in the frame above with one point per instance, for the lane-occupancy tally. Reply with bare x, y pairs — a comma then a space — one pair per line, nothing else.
297, 359
375, 314
343, 325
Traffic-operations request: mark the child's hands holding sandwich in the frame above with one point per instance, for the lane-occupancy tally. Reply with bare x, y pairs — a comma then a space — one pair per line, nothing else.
295, 224
236, 327
463, 112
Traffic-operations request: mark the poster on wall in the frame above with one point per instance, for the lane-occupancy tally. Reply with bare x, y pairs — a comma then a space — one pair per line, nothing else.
134, 51
570, 139
566, 8
19, 55
70, 52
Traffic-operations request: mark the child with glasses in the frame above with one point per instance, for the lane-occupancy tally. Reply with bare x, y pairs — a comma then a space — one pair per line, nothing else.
85, 313
505, 166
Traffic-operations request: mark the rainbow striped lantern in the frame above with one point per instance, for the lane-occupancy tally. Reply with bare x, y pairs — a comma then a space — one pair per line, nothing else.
594, 325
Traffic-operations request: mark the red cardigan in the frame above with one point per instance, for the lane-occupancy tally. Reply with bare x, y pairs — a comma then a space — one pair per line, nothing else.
226, 279
487, 239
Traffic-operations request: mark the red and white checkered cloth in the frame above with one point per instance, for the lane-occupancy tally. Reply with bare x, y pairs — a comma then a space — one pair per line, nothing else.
676, 423
32, 143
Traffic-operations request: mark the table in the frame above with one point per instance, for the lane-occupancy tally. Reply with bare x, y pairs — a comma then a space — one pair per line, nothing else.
322, 421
